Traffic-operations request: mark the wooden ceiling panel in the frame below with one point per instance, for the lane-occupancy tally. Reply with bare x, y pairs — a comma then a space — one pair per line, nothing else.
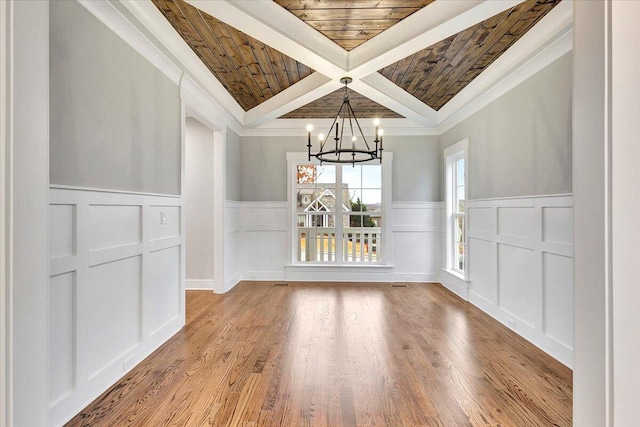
250, 71
438, 73
328, 106
351, 23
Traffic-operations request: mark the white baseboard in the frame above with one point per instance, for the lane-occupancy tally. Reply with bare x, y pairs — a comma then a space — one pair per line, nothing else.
204, 285
232, 281
264, 275
454, 284
415, 277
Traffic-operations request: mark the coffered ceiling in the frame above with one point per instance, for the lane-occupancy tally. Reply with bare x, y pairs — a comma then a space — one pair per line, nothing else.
424, 60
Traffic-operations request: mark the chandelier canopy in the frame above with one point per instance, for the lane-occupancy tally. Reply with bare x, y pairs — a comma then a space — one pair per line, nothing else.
349, 144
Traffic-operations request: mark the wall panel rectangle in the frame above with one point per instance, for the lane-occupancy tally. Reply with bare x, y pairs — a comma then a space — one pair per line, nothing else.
116, 321
558, 298
162, 301
62, 335
517, 290
113, 225
61, 229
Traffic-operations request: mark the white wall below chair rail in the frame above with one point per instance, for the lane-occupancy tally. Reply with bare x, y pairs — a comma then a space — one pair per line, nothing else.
414, 236
520, 268
116, 288
233, 249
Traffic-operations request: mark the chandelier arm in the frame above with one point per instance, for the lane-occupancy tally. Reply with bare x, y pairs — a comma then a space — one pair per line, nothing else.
360, 129
350, 111
331, 128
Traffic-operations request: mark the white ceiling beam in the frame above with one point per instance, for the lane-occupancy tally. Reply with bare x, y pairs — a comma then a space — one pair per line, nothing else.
381, 90
548, 37
305, 91
436, 22
268, 22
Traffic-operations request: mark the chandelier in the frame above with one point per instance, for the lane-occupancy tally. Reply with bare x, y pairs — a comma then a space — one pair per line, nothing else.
345, 126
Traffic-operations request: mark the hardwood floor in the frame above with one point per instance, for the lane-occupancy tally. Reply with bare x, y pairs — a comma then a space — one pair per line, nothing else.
338, 355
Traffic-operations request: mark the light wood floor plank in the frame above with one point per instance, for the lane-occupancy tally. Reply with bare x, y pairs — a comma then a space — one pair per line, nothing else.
338, 354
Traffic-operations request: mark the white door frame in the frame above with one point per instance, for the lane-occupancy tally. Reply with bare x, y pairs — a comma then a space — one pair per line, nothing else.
24, 176
5, 308
197, 104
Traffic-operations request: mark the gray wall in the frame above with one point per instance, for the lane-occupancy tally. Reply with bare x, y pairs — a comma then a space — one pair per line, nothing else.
263, 167
199, 200
416, 168
115, 119
233, 165
520, 144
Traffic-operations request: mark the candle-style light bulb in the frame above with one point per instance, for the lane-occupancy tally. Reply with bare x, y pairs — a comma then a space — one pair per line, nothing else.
353, 142
309, 127
376, 122
320, 136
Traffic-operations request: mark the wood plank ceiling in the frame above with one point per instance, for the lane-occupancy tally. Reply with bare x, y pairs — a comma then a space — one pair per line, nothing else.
350, 23
438, 73
328, 106
251, 71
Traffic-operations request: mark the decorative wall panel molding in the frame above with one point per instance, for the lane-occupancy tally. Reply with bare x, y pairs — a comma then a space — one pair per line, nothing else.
520, 267
116, 289
414, 229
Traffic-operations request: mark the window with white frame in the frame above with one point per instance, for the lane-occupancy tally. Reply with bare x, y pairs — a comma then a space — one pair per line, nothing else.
455, 159
338, 211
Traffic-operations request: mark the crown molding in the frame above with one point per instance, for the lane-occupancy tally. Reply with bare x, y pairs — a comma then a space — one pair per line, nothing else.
106, 13
150, 17
550, 39
201, 105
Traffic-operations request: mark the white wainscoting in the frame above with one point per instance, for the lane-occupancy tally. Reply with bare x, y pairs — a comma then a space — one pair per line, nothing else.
264, 226
414, 230
233, 248
520, 268
116, 289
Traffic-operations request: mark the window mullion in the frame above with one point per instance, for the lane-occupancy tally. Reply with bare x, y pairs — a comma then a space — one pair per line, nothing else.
339, 215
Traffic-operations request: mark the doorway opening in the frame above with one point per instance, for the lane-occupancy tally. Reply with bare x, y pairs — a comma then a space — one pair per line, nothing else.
199, 204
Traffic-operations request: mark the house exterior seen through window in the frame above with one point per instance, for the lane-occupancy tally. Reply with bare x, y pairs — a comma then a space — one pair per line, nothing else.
458, 214
339, 213
455, 159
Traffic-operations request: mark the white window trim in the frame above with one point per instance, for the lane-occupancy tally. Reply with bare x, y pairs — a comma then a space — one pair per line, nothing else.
294, 159
450, 154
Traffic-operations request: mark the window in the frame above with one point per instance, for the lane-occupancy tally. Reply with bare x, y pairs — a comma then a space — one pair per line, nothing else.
338, 211
455, 158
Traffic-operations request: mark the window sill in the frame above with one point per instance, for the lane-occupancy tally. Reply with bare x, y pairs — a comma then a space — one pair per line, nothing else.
336, 266
456, 274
